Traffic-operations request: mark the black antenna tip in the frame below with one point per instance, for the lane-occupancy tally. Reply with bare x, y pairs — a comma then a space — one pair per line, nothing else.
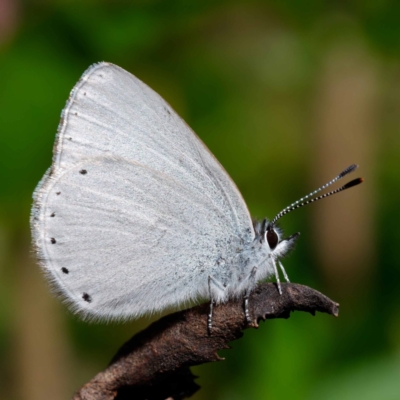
352, 183
352, 168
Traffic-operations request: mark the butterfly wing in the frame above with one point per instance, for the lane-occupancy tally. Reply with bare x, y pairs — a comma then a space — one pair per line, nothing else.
135, 211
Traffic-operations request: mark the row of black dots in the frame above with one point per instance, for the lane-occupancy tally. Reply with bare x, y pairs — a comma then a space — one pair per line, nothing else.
85, 296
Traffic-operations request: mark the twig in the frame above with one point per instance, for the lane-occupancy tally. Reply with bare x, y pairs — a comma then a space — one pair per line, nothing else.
154, 364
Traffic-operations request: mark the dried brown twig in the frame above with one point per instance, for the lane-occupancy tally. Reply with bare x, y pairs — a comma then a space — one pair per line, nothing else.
154, 364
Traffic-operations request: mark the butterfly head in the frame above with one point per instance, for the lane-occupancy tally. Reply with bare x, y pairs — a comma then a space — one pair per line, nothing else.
272, 235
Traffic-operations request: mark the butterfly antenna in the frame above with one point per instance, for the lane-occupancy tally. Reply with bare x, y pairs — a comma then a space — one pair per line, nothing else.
348, 170
300, 203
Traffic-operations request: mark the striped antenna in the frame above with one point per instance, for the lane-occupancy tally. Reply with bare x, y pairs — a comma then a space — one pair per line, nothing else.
348, 170
301, 202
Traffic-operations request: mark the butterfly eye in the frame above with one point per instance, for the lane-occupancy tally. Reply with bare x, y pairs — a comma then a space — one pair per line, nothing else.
272, 238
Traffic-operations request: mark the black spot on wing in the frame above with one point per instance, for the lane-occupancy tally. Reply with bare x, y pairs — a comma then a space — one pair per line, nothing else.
87, 297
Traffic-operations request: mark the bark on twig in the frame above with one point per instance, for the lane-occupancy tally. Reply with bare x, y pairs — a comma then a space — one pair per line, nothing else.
154, 364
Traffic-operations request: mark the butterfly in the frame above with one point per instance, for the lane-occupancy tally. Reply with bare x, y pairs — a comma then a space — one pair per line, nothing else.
136, 215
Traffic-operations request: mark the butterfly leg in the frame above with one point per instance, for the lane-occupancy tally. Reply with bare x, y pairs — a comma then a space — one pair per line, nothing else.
251, 283
209, 320
278, 282
283, 271
214, 288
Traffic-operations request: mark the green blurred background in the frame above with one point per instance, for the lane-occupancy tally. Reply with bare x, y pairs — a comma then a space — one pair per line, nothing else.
285, 94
